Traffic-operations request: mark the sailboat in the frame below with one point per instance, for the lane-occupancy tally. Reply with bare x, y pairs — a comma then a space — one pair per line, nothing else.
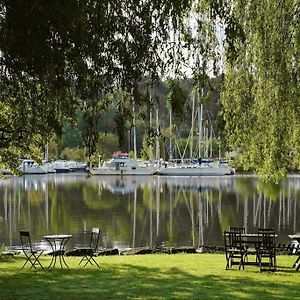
186, 169
195, 167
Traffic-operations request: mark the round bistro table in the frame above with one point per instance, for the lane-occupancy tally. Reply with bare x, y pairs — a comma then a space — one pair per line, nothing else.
58, 243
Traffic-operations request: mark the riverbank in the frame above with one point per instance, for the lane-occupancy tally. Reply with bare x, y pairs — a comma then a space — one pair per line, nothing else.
155, 276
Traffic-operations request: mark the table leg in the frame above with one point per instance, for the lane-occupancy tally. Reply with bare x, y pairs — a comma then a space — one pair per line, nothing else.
62, 252
53, 248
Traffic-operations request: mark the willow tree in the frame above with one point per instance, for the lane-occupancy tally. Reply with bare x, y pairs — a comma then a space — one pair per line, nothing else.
60, 56
261, 93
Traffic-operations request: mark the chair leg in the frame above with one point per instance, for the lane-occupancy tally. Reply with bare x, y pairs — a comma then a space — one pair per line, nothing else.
33, 259
89, 259
227, 261
28, 259
298, 267
296, 262
95, 262
82, 259
36, 257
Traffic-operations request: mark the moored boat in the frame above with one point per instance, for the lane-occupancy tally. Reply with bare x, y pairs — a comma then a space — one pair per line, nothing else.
195, 170
123, 165
29, 166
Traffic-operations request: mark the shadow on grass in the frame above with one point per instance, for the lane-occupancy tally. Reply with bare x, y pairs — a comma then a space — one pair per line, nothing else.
127, 281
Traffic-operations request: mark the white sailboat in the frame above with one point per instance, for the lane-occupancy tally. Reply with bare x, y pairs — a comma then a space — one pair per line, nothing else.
194, 167
195, 170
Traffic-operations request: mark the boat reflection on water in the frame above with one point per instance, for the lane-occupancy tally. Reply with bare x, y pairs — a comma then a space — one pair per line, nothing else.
137, 211
128, 184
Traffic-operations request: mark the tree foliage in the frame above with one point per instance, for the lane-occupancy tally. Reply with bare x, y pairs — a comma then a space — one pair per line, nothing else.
261, 95
57, 56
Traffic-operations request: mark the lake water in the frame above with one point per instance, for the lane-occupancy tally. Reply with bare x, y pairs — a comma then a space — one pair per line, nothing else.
145, 211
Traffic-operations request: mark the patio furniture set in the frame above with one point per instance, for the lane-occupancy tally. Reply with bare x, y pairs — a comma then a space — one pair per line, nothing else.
239, 245
57, 244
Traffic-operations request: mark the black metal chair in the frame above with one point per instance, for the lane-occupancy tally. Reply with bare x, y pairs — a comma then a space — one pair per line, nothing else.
32, 255
234, 249
266, 248
89, 252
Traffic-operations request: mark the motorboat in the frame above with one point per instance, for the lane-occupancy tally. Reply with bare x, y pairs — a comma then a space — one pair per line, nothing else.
76, 166
48, 166
29, 166
123, 165
60, 166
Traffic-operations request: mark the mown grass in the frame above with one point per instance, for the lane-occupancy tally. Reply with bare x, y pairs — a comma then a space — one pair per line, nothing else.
156, 276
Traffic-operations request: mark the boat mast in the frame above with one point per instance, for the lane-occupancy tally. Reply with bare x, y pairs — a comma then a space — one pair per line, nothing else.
47, 153
157, 137
211, 142
150, 125
134, 126
170, 145
192, 128
200, 112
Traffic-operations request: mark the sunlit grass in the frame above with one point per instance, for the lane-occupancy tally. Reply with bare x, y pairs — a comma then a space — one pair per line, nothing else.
156, 276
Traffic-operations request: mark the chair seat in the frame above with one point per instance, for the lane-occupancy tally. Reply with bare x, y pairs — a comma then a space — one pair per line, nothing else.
83, 248
86, 250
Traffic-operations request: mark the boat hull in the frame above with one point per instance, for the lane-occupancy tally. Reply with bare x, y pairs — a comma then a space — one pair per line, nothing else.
122, 172
34, 170
195, 171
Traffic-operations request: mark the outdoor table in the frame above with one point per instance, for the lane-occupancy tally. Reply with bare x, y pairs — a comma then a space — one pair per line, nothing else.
58, 243
297, 261
252, 238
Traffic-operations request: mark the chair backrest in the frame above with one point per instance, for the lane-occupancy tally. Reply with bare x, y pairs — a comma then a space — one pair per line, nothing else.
233, 239
237, 229
266, 239
95, 234
25, 240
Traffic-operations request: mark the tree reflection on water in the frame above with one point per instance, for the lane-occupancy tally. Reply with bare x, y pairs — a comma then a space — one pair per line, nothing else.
137, 211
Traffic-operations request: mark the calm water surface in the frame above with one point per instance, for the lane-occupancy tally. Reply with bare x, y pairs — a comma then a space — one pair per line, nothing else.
145, 211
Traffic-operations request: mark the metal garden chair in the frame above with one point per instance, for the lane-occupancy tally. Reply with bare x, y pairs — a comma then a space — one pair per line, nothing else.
32, 255
89, 252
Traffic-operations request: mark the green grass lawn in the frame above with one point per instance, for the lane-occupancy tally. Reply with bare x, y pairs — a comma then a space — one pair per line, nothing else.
154, 276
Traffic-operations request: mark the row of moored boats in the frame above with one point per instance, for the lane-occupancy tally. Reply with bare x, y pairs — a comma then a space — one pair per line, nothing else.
29, 166
123, 165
